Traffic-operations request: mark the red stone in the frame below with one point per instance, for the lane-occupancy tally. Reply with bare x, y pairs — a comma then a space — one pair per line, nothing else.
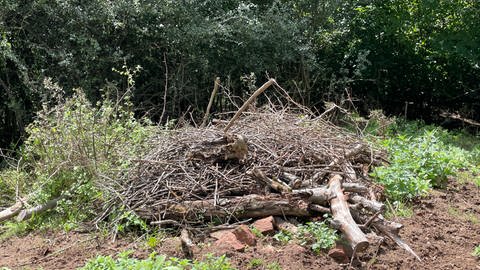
339, 254
228, 240
265, 225
245, 235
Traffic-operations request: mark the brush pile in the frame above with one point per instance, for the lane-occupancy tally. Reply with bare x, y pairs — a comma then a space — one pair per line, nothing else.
271, 163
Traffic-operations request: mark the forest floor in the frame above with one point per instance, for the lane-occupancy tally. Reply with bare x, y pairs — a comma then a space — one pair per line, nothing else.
443, 230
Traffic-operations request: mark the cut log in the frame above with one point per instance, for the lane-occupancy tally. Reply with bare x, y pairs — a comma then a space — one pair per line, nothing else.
341, 214
11, 211
27, 213
250, 206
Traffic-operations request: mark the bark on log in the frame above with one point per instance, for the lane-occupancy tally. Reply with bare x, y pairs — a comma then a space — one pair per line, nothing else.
11, 211
318, 195
373, 206
250, 206
341, 214
27, 213
354, 187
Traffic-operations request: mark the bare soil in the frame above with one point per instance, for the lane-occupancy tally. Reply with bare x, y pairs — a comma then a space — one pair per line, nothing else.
443, 230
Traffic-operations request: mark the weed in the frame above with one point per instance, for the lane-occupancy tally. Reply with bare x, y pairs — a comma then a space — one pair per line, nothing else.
256, 232
476, 251
274, 266
318, 235
254, 263
283, 237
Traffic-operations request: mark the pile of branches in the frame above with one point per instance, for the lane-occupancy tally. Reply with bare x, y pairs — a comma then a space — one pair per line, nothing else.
270, 163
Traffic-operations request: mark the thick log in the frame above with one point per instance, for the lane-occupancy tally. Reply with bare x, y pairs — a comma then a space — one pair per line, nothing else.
354, 187
373, 206
11, 211
27, 213
318, 195
250, 206
341, 214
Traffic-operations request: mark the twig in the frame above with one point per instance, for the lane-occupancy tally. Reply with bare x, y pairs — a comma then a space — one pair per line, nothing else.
210, 102
250, 100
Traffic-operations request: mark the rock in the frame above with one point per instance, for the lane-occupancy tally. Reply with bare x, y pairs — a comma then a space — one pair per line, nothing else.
219, 234
339, 253
245, 235
265, 225
228, 240
284, 225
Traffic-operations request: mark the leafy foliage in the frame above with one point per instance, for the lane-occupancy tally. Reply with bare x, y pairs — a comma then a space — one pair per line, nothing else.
421, 157
77, 150
156, 262
318, 235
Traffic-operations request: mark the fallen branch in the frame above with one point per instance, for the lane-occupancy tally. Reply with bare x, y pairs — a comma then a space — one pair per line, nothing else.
11, 211
341, 214
27, 213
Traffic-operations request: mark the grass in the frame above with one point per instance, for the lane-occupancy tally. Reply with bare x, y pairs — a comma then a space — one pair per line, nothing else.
398, 209
466, 216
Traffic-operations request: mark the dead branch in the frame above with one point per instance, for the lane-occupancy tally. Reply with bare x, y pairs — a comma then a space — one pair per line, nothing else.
248, 102
27, 213
341, 214
12, 211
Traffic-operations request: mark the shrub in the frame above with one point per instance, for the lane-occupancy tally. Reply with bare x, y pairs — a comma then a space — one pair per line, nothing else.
77, 150
421, 157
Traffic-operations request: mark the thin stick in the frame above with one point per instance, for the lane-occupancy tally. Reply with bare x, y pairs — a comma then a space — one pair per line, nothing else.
212, 97
166, 87
250, 100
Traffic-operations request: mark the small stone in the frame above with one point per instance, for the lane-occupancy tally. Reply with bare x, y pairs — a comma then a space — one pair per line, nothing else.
228, 240
265, 225
219, 234
245, 235
339, 254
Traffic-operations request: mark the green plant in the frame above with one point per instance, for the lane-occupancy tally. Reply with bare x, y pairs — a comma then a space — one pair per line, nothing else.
318, 235
283, 236
255, 263
256, 232
418, 163
274, 266
476, 251
155, 261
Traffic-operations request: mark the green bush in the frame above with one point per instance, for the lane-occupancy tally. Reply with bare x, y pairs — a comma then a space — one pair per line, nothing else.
123, 262
77, 150
420, 158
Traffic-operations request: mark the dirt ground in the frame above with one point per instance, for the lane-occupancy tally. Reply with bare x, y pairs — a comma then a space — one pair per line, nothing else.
443, 230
